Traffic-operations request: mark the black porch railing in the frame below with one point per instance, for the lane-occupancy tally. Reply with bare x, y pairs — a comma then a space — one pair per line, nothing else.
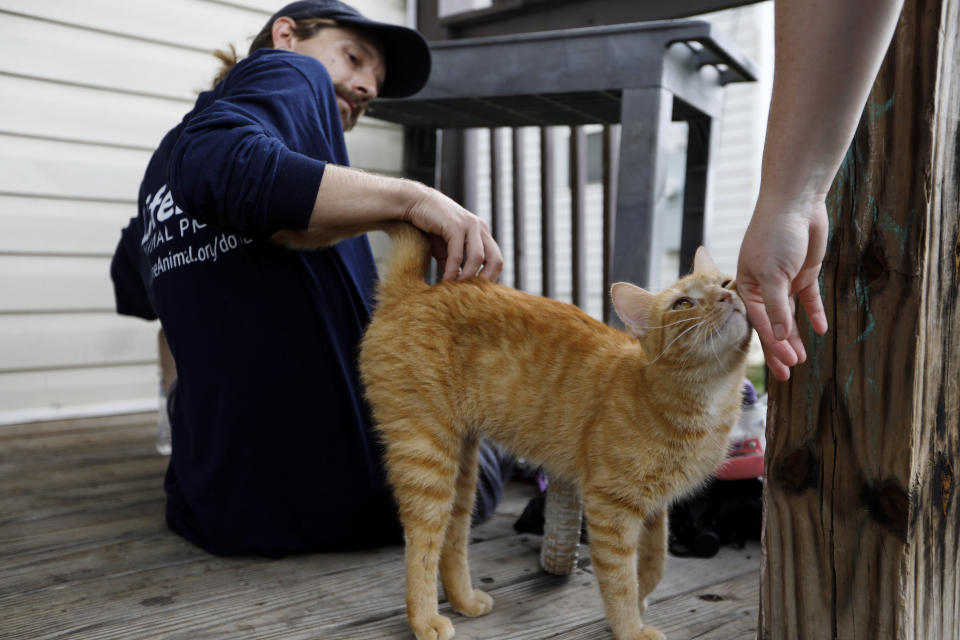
633, 79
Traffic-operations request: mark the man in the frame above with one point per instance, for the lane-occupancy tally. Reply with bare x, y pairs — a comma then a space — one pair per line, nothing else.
273, 447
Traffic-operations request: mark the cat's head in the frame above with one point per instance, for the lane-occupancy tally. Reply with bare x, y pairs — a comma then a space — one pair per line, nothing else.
700, 319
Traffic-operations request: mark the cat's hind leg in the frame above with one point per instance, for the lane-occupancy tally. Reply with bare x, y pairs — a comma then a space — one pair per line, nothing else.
454, 568
422, 468
651, 555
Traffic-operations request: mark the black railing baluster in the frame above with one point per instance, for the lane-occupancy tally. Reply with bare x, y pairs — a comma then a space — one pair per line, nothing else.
611, 174
548, 201
578, 221
519, 212
496, 188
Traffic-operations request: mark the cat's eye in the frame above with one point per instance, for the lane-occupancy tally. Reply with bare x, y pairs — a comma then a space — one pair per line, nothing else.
726, 283
682, 303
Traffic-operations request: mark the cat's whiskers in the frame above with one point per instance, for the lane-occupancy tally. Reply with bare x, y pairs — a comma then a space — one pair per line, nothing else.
680, 335
672, 324
697, 338
713, 344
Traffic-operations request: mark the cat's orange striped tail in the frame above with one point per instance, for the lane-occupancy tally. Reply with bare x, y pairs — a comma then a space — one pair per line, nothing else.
407, 263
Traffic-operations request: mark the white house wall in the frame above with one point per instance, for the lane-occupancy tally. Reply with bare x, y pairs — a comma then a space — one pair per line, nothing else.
89, 88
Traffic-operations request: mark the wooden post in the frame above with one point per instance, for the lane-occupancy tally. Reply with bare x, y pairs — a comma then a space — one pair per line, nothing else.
862, 526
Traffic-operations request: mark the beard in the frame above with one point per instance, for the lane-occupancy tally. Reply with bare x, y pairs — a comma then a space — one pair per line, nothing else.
349, 117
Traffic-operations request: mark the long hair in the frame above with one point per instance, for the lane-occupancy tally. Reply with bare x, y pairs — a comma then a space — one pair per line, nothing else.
303, 30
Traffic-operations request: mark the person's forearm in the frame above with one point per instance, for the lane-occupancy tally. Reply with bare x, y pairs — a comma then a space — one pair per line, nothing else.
348, 197
350, 202
827, 55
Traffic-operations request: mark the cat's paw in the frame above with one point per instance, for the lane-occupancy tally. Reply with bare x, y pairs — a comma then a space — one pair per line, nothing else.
650, 633
434, 627
476, 604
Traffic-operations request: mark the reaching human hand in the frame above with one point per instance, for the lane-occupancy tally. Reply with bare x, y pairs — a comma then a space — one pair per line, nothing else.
780, 257
461, 242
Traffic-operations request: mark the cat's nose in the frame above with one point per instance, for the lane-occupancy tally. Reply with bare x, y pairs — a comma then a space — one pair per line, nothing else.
726, 296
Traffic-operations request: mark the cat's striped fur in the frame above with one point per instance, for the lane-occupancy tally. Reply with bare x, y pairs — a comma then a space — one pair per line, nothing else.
634, 419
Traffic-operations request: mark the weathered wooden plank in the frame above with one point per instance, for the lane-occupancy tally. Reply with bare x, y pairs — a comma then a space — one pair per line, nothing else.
248, 594
726, 610
162, 556
862, 525
546, 606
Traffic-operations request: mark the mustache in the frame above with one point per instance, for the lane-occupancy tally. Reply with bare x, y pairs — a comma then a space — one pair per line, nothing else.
359, 101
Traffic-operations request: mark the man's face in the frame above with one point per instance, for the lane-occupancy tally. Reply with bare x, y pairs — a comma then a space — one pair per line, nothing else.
355, 63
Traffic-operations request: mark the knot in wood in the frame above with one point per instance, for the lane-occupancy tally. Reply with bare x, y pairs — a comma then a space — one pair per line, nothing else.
797, 470
943, 483
889, 505
873, 266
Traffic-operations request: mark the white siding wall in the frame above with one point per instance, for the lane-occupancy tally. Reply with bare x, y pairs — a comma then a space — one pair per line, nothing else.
88, 88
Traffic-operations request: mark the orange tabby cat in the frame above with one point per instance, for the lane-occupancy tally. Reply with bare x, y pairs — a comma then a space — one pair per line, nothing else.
634, 419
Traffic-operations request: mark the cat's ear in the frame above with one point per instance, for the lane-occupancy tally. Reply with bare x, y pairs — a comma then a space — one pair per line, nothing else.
634, 306
703, 263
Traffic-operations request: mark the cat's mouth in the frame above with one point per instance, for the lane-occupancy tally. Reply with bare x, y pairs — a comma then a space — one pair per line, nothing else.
733, 313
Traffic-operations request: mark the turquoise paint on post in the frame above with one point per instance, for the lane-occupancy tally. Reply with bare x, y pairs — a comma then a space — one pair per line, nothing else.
876, 109
863, 300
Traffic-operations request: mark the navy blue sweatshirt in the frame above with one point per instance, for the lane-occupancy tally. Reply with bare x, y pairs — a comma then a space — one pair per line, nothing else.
273, 450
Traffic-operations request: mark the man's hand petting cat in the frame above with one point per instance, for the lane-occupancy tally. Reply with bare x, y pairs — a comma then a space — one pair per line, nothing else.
460, 241
780, 257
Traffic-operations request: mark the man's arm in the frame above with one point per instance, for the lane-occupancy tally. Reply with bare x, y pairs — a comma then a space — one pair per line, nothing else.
351, 201
827, 56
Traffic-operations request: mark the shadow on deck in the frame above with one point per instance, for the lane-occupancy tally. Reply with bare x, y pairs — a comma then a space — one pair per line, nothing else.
84, 553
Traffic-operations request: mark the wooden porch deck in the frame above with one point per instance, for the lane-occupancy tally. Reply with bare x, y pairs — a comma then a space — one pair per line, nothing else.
84, 553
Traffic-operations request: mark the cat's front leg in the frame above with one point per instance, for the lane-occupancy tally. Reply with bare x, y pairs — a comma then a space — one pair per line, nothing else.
614, 528
651, 555
421, 554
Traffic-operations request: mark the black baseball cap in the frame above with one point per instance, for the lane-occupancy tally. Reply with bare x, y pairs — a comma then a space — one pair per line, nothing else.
406, 53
